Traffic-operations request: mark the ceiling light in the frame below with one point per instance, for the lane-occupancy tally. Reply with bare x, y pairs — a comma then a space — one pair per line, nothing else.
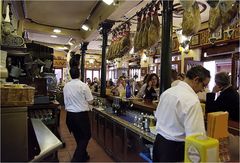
108, 2
57, 30
91, 61
85, 27
54, 36
62, 48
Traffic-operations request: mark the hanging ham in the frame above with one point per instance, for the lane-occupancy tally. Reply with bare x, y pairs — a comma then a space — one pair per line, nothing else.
115, 45
145, 31
139, 16
154, 29
140, 35
191, 20
214, 21
229, 12
223, 14
186, 4
126, 42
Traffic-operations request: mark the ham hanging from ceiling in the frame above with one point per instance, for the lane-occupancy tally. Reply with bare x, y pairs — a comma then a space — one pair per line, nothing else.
154, 32
140, 35
191, 19
229, 12
145, 31
223, 14
126, 42
186, 4
135, 41
214, 22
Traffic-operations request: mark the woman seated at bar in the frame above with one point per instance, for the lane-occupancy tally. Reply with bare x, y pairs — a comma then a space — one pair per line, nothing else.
228, 100
152, 88
109, 86
120, 86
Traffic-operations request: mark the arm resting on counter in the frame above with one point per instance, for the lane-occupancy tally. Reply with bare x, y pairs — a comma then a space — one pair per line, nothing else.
47, 141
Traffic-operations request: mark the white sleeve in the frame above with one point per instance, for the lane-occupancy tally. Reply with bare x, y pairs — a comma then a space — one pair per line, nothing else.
194, 122
88, 94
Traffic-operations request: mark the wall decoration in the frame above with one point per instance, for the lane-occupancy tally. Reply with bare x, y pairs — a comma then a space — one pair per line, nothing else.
195, 40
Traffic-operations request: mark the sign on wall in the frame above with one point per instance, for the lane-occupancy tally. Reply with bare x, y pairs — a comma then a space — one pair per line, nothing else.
59, 63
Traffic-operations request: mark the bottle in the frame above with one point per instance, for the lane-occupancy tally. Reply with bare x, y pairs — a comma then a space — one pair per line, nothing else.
128, 90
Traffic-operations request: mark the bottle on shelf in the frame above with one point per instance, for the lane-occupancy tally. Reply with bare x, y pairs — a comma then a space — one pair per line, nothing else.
128, 90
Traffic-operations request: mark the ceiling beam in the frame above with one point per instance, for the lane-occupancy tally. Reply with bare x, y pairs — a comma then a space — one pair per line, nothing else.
28, 25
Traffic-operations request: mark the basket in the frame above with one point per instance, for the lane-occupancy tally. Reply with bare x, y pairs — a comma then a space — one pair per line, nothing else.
15, 95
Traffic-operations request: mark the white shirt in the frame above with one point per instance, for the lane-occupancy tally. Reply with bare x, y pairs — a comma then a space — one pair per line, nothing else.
175, 82
76, 96
179, 113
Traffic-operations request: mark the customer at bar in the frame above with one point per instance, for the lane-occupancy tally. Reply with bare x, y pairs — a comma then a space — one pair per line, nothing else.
120, 86
89, 82
179, 114
77, 96
228, 100
152, 89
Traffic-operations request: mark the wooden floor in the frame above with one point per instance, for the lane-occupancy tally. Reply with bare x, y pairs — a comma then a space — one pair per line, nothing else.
97, 154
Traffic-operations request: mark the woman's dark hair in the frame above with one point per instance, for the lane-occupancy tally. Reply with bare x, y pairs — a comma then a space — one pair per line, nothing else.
145, 78
150, 78
198, 71
74, 73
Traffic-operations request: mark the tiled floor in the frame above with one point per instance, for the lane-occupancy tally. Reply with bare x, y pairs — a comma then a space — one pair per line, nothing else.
97, 154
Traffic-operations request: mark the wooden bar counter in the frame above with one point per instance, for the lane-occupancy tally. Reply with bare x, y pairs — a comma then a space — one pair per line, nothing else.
149, 106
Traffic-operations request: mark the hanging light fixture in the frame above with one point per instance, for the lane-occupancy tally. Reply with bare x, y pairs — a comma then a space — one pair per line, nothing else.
108, 2
57, 30
183, 40
91, 60
85, 27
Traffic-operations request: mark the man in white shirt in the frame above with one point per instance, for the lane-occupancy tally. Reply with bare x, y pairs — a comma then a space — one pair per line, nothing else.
77, 96
179, 114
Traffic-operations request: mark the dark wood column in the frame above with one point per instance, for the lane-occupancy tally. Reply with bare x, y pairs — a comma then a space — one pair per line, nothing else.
166, 55
83, 52
105, 28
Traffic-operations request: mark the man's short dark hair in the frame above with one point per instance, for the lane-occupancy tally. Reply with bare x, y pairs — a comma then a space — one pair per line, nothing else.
198, 71
74, 73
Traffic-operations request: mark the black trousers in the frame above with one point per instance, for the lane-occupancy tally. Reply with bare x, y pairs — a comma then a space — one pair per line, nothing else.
79, 125
167, 151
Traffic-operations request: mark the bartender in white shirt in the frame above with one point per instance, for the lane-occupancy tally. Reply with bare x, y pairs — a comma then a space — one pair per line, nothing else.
179, 114
77, 96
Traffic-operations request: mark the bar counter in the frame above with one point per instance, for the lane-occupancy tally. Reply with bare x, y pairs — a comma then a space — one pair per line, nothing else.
147, 135
120, 136
142, 105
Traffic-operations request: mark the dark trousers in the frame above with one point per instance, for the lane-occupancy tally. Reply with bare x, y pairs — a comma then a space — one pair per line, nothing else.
79, 125
167, 151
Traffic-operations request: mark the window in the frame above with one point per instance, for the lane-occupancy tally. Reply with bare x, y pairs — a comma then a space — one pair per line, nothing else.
96, 74
92, 74
58, 73
89, 74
